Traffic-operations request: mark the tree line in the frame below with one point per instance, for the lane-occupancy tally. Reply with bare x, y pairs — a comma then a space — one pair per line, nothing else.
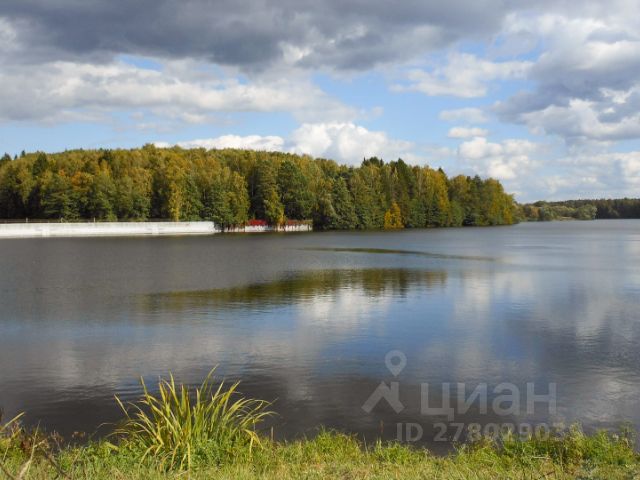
582, 209
231, 186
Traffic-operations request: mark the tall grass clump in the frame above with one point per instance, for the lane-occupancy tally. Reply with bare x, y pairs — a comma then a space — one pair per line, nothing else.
9, 430
180, 428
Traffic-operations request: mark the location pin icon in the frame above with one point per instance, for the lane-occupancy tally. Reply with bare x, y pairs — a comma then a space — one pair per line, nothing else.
395, 361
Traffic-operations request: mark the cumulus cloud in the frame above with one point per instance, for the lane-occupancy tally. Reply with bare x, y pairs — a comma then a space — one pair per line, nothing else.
347, 142
587, 79
336, 34
344, 142
250, 142
610, 168
598, 175
62, 90
467, 132
505, 160
578, 71
579, 121
463, 75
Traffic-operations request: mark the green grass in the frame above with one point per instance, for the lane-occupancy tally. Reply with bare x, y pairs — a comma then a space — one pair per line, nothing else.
212, 433
180, 429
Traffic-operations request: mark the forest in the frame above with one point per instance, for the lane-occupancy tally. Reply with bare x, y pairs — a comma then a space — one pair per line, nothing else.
231, 187
582, 209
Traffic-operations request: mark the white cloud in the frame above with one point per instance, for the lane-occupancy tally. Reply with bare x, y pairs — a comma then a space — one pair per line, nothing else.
590, 49
527, 171
582, 121
344, 142
468, 115
463, 75
250, 142
588, 76
612, 169
60, 90
347, 142
506, 160
467, 132
584, 85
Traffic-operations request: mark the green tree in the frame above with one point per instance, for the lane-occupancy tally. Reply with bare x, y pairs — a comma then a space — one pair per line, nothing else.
586, 212
230, 185
294, 190
457, 214
345, 214
40, 165
133, 194
16, 190
417, 215
101, 196
5, 160
438, 208
58, 200
225, 199
324, 213
267, 204
369, 197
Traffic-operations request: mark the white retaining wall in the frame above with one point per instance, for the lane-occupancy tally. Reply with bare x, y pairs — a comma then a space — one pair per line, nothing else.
123, 229
105, 229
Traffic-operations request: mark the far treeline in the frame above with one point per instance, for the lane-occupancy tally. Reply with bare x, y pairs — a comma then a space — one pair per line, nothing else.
582, 209
231, 187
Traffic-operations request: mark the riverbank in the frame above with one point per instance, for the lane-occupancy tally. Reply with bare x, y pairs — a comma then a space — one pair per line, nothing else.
133, 229
213, 432
333, 455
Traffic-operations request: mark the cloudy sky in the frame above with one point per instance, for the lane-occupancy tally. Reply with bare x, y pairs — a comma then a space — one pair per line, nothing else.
540, 95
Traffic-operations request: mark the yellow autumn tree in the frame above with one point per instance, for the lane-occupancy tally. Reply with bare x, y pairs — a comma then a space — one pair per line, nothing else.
393, 217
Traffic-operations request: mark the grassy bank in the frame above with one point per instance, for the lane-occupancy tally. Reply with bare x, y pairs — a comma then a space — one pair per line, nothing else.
211, 433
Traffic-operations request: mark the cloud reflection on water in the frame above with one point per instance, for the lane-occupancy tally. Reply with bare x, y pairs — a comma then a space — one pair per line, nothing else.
315, 338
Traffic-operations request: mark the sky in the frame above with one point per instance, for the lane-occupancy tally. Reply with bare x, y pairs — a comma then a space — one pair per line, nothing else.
542, 95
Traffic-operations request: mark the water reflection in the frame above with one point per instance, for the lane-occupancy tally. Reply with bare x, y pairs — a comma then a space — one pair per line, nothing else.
395, 251
307, 321
299, 287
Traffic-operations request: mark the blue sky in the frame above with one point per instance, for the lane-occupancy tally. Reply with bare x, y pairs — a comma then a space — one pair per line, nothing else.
545, 99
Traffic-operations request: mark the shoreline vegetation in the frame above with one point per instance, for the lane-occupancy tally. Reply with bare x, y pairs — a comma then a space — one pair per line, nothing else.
601, 209
233, 187
213, 432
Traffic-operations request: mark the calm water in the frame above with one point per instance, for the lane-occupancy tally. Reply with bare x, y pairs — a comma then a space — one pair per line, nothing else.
307, 319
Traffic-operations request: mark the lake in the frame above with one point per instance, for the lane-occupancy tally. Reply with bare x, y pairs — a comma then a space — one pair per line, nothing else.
306, 320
